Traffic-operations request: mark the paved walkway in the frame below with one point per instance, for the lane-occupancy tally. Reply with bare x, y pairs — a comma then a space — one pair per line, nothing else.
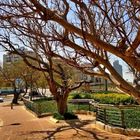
19, 124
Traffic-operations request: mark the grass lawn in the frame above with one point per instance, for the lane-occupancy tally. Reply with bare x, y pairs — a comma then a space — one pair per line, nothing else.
50, 106
131, 116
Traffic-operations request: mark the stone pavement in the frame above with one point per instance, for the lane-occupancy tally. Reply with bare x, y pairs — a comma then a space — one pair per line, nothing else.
19, 124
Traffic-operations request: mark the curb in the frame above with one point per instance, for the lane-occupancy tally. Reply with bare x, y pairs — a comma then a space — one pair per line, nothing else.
1, 123
117, 130
36, 115
54, 120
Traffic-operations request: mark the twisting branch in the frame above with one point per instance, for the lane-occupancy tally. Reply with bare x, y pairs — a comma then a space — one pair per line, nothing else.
134, 45
79, 85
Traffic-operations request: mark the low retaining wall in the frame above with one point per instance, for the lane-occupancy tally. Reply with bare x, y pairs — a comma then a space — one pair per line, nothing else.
36, 115
118, 130
1, 123
122, 116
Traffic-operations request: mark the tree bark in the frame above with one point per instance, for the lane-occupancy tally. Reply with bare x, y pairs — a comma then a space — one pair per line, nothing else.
16, 96
61, 105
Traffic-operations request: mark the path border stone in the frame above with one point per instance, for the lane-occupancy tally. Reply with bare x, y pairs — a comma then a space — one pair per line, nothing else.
1, 122
117, 130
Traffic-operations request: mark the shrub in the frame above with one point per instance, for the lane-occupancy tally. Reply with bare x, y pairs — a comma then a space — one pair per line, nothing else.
80, 96
70, 116
67, 116
114, 98
44, 105
87, 96
105, 98
77, 96
58, 116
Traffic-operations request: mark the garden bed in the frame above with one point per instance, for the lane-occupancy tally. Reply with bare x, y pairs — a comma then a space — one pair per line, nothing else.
43, 107
124, 116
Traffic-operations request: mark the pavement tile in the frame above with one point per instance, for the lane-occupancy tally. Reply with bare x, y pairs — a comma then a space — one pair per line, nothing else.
20, 124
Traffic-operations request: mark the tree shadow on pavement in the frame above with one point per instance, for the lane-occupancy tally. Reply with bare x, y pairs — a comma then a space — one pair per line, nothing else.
77, 126
13, 124
9, 105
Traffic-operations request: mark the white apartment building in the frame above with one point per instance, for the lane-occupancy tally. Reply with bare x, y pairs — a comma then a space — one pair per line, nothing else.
11, 58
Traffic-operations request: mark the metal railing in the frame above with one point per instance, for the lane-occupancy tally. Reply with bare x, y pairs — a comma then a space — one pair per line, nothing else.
125, 116
36, 108
50, 106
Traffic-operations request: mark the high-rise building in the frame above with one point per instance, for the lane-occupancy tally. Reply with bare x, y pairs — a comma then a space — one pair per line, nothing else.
118, 67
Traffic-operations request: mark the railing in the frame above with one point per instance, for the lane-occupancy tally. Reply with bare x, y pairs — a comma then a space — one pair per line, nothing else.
122, 116
32, 106
80, 104
43, 108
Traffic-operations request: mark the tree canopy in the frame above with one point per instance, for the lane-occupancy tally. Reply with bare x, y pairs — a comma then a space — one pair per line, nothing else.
76, 31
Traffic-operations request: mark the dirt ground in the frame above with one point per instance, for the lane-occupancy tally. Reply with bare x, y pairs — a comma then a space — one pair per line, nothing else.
19, 124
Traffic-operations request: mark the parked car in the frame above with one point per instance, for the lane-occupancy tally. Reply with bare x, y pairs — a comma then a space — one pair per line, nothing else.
1, 99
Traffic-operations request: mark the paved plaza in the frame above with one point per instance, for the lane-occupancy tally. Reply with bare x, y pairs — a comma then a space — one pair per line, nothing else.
19, 124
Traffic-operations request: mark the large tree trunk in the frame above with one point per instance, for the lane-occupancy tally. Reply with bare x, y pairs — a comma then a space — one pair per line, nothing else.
16, 96
15, 99
61, 104
136, 81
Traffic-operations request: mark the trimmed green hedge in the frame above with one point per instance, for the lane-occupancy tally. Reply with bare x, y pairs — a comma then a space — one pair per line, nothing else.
80, 96
114, 98
45, 105
105, 98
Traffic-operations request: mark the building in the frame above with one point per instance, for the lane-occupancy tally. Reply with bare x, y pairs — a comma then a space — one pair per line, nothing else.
11, 58
118, 67
94, 79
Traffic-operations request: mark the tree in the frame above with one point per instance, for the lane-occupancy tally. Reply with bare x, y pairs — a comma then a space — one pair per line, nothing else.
28, 76
96, 30
19, 76
59, 77
10, 75
57, 74
136, 80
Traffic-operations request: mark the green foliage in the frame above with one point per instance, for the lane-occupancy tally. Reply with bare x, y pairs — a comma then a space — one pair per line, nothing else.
77, 96
113, 98
132, 118
70, 116
58, 116
45, 105
105, 98
87, 96
80, 96
72, 107
66, 116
